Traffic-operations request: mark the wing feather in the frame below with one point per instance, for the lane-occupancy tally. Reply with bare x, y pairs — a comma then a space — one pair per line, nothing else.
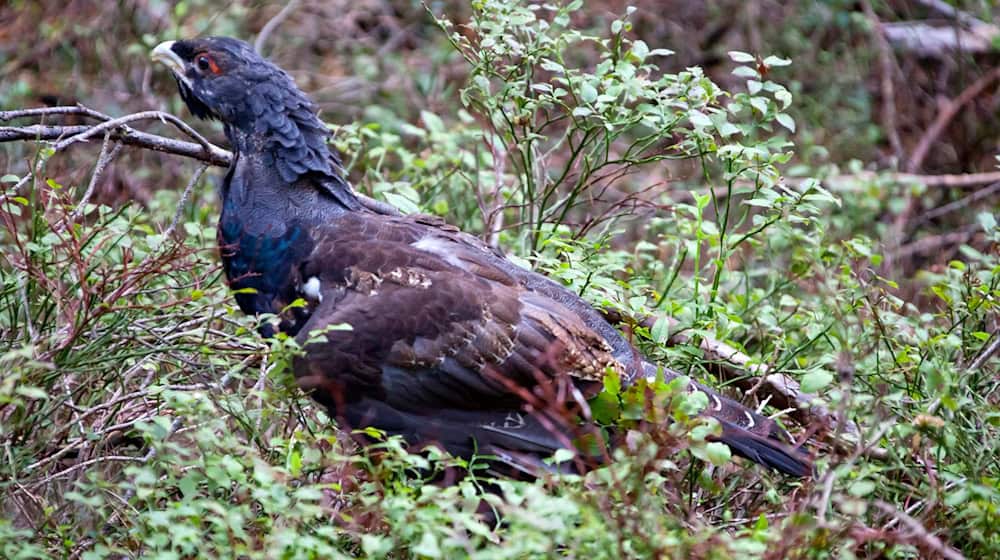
426, 329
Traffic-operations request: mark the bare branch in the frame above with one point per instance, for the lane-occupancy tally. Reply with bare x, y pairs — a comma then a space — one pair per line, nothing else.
957, 181
108, 153
947, 114
212, 154
964, 18
971, 35
184, 198
45, 111
934, 243
272, 24
987, 352
887, 68
117, 131
962, 203
919, 531
145, 115
923, 39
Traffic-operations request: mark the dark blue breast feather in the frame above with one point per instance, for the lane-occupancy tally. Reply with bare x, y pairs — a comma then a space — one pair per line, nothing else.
261, 262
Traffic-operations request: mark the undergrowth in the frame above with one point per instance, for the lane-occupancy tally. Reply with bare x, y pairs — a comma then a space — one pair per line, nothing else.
141, 416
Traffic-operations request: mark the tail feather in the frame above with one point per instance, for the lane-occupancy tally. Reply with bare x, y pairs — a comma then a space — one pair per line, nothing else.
748, 434
766, 451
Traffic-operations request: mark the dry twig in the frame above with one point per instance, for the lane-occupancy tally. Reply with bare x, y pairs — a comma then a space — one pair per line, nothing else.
272, 24
116, 130
947, 114
783, 391
919, 531
887, 68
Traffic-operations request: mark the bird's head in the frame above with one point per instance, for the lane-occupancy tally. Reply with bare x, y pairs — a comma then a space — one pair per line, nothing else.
216, 75
263, 111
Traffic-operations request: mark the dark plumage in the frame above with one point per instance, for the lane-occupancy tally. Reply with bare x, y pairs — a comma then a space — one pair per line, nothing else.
445, 334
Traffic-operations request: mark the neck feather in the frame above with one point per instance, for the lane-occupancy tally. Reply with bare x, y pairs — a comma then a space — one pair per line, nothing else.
284, 131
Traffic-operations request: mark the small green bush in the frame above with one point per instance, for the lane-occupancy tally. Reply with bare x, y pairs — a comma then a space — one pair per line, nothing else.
141, 416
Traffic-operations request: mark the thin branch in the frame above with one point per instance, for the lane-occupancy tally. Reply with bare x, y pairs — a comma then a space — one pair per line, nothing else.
495, 215
987, 352
964, 202
928, 40
145, 115
919, 531
60, 110
81, 465
108, 153
117, 131
272, 24
933, 243
887, 69
962, 17
958, 181
848, 181
183, 201
947, 114
213, 155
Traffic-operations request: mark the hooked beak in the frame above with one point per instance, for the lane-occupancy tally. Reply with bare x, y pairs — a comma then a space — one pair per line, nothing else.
165, 54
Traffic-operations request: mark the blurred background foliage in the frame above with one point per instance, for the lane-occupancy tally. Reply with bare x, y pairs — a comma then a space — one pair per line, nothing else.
744, 183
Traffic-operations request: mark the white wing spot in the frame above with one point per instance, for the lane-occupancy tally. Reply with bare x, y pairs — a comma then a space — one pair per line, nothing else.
311, 289
718, 403
439, 247
750, 421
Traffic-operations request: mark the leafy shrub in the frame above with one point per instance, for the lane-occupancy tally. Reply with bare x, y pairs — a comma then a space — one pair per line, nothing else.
141, 415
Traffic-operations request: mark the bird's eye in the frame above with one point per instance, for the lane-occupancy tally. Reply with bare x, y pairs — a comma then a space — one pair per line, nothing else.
206, 64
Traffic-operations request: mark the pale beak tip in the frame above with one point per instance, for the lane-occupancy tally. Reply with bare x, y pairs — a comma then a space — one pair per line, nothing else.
163, 50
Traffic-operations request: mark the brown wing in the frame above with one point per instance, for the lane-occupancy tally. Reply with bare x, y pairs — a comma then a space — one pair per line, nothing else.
430, 330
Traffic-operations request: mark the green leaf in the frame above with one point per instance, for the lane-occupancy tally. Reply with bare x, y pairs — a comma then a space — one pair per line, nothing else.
31, 392
433, 122
785, 121
988, 220
718, 453
404, 204
776, 61
562, 455
294, 463
660, 331
861, 488
813, 381
605, 407
188, 486
699, 119
727, 129
784, 97
741, 57
428, 546
588, 93
640, 50
612, 382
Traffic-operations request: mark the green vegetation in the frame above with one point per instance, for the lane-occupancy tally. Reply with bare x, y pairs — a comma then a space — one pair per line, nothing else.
142, 416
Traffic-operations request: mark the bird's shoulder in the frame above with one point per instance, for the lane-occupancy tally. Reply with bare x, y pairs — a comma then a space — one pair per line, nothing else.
418, 244
423, 304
